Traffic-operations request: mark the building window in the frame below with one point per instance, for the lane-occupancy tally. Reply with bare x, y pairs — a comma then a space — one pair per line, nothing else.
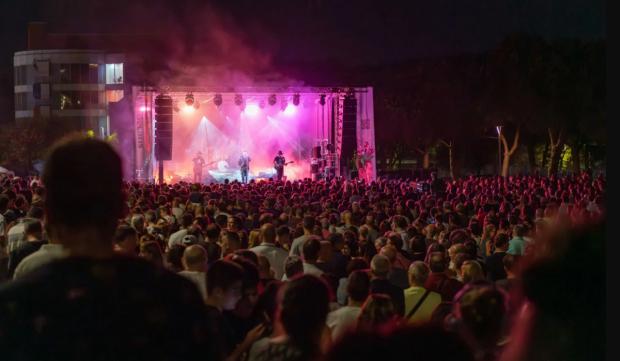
61, 73
75, 73
21, 101
65, 100
93, 73
20, 75
114, 73
114, 96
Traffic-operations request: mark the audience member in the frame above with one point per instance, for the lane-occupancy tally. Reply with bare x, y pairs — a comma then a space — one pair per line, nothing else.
380, 268
345, 318
195, 266
419, 301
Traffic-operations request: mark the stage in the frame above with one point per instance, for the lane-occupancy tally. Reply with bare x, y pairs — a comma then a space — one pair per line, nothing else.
307, 124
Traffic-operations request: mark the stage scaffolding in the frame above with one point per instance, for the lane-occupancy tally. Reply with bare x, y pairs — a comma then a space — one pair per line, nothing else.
327, 118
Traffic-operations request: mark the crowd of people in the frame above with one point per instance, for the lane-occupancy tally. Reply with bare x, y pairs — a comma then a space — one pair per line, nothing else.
480, 268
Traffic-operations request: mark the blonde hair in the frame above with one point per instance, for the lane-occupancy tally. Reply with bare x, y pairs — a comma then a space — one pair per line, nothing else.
472, 271
254, 238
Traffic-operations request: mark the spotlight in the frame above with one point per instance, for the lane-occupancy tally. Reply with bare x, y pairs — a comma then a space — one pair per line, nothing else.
290, 110
189, 99
296, 99
217, 100
238, 100
273, 99
322, 99
251, 110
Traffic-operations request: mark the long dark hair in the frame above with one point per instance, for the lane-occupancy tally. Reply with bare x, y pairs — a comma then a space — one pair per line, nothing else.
304, 304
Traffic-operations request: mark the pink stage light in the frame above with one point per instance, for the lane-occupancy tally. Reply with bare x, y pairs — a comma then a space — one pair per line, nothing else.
251, 110
188, 109
144, 108
290, 110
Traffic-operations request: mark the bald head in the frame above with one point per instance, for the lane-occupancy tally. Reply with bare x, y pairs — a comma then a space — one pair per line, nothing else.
390, 252
268, 233
380, 266
195, 258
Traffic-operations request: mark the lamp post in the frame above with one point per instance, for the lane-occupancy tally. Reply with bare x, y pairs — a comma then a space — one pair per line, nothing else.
499, 148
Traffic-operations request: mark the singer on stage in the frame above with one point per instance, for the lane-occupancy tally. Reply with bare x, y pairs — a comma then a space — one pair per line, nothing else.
199, 163
244, 165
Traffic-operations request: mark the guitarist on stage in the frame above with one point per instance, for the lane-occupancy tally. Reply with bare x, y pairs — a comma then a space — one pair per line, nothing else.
278, 163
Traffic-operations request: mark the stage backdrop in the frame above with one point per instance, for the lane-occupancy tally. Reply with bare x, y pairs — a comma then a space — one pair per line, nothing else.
245, 120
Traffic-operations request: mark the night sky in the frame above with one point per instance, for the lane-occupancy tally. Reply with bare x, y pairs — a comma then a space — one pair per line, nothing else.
360, 32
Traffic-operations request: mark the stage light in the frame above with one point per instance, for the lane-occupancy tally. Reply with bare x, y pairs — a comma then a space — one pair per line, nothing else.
238, 100
189, 99
273, 99
251, 109
290, 110
188, 109
217, 100
144, 108
322, 99
296, 99
261, 104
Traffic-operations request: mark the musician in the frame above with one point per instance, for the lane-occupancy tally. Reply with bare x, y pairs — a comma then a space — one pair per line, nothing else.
199, 163
365, 162
278, 163
244, 165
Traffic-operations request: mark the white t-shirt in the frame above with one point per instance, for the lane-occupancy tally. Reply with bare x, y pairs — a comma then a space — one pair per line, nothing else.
2, 224
177, 237
47, 253
297, 244
342, 319
177, 212
258, 345
341, 293
3, 242
310, 269
276, 256
15, 236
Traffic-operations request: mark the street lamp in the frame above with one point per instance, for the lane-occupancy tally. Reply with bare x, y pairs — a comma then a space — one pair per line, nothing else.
499, 148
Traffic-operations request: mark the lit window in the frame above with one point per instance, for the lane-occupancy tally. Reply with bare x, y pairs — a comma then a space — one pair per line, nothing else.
114, 73
114, 96
65, 102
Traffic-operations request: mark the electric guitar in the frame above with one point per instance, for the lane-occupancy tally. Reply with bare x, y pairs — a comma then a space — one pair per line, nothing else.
205, 165
278, 167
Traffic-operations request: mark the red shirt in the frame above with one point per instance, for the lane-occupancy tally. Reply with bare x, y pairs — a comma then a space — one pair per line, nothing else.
447, 287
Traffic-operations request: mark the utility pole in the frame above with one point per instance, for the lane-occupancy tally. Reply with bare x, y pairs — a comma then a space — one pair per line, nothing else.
499, 148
